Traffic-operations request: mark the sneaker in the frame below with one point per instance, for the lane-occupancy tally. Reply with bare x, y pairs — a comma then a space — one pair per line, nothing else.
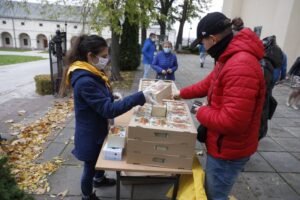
104, 182
91, 197
295, 107
202, 65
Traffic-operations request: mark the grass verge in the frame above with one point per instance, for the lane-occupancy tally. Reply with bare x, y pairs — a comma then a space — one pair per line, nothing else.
13, 59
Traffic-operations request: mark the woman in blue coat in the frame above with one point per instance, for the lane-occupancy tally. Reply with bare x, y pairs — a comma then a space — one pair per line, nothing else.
94, 106
165, 63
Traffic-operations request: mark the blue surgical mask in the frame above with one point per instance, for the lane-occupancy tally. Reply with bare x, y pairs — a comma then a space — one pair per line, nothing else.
167, 50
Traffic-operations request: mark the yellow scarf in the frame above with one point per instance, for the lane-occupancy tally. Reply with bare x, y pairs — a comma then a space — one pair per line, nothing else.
88, 67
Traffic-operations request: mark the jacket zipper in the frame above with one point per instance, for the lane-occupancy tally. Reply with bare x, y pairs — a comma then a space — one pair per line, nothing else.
219, 143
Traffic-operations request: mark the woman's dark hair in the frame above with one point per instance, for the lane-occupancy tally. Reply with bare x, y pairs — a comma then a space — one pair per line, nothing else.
237, 24
78, 52
83, 45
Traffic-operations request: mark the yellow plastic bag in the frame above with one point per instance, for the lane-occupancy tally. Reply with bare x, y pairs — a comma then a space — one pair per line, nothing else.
191, 186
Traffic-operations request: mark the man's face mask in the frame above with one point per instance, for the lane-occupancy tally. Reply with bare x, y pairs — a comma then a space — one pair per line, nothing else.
101, 63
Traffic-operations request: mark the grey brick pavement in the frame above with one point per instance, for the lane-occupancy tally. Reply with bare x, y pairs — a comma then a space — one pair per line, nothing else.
272, 173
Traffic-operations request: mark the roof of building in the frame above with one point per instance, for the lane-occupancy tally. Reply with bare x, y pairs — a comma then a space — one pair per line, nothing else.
37, 11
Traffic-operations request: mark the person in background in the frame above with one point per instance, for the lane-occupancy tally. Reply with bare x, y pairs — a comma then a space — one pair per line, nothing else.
294, 76
235, 91
279, 74
94, 106
202, 52
148, 53
165, 63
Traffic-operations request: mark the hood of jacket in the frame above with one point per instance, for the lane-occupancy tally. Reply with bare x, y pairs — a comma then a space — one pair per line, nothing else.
247, 41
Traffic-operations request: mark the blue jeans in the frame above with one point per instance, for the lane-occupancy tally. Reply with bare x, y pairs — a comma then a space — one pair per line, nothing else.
89, 173
146, 70
220, 176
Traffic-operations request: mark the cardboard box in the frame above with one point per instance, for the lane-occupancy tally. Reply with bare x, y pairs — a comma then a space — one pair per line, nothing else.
116, 137
112, 153
160, 160
159, 111
161, 90
144, 83
176, 126
149, 147
123, 120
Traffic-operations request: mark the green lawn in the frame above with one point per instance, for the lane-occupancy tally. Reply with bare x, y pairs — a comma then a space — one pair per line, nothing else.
12, 59
13, 49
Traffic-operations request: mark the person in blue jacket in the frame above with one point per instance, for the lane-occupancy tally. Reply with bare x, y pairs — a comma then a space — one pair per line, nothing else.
165, 63
148, 53
202, 52
94, 106
279, 74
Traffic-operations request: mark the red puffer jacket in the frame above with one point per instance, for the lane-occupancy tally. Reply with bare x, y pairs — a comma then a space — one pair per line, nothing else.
235, 90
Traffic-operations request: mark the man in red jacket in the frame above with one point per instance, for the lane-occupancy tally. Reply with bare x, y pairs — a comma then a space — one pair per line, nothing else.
235, 91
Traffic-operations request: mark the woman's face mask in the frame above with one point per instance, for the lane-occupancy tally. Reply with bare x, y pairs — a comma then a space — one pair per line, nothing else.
101, 63
167, 50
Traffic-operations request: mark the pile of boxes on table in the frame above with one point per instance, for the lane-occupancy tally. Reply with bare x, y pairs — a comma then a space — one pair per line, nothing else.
158, 135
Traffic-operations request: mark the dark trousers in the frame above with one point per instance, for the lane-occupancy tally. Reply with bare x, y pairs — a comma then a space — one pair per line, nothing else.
88, 174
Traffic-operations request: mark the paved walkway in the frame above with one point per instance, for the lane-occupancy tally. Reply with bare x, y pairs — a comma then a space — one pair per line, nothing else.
17, 90
272, 173
25, 53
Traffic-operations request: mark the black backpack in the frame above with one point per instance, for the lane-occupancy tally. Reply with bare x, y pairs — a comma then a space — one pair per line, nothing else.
270, 103
273, 59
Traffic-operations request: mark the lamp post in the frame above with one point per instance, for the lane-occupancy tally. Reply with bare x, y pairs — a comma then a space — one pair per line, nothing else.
189, 34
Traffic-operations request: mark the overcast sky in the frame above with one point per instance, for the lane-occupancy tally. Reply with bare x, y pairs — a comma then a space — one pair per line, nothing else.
215, 6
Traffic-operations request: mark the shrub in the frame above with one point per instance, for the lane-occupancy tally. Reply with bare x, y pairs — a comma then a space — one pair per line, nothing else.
130, 52
8, 186
43, 84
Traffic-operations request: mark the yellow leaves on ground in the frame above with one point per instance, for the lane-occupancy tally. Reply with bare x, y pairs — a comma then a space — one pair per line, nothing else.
22, 152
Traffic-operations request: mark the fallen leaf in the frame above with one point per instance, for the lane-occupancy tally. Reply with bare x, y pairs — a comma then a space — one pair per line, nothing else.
21, 112
63, 194
231, 197
9, 121
40, 191
19, 141
15, 133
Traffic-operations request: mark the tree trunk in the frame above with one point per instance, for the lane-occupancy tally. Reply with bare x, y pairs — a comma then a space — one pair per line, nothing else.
182, 22
143, 35
115, 57
179, 36
163, 27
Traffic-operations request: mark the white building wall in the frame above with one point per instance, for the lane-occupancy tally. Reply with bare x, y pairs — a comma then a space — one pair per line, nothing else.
33, 29
277, 17
291, 43
48, 29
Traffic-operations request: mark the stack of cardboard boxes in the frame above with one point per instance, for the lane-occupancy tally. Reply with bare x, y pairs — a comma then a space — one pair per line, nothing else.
163, 135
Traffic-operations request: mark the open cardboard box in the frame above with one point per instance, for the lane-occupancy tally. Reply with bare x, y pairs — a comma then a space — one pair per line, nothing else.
144, 83
175, 128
